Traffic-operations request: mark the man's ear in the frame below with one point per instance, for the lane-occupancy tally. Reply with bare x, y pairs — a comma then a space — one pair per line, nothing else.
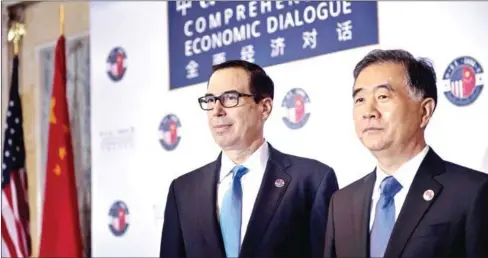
427, 109
266, 108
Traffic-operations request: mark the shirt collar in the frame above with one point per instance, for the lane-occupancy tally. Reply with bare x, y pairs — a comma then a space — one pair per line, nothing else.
256, 162
406, 173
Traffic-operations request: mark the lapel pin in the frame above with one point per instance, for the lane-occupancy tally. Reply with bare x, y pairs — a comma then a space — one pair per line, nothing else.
279, 183
428, 195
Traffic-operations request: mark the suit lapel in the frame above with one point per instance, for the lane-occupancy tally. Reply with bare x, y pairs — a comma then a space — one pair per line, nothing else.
361, 213
208, 224
415, 206
267, 201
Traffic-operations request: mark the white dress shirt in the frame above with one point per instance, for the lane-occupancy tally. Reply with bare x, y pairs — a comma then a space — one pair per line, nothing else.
251, 182
404, 175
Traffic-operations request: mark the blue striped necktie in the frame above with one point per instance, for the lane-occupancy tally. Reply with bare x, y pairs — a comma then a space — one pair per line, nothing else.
384, 219
231, 213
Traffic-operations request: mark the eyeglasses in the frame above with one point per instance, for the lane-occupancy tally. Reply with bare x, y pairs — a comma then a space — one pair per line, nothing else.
228, 99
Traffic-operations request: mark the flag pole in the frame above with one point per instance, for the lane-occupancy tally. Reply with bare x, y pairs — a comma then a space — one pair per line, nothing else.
16, 47
61, 19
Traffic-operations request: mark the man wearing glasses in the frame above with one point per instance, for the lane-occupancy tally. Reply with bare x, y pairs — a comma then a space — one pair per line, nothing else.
253, 200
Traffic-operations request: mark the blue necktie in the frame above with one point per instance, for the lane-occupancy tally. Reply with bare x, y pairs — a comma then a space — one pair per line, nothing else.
384, 219
231, 213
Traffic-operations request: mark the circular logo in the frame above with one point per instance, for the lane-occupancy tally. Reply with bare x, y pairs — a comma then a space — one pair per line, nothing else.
116, 64
118, 218
168, 132
428, 195
279, 183
463, 81
295, 107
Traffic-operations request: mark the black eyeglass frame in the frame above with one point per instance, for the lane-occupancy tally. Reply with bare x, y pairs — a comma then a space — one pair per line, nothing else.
201, 100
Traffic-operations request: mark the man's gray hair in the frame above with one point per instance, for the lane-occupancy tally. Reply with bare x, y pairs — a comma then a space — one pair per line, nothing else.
420, 74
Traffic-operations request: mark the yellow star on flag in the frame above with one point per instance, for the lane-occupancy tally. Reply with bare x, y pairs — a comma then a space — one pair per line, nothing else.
57, 170
52, 118
62, 152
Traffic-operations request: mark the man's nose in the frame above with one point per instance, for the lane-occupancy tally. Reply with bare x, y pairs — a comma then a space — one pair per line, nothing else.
218, 109
370, 110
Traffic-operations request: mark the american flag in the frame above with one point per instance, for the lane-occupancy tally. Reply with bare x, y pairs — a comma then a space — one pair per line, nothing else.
16, 240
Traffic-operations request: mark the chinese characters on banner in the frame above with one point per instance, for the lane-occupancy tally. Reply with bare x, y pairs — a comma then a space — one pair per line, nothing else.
205, 33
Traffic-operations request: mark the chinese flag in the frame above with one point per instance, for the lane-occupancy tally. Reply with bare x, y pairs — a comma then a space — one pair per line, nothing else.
61, 234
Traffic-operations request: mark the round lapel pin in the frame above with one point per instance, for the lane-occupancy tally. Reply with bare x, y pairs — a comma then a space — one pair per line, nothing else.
428, 195
279, 183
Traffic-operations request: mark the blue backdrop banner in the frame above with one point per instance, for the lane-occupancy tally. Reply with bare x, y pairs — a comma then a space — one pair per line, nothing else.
204, 33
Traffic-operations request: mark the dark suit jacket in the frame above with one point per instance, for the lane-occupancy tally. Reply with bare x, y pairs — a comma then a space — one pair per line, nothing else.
286, 221
453, 224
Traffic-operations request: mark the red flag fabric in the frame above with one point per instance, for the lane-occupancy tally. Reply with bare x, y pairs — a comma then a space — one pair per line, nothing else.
61, 234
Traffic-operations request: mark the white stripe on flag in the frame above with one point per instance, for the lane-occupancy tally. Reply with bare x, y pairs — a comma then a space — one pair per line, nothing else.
10, 221
17, 216
5, 252
13, 191
460, 89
